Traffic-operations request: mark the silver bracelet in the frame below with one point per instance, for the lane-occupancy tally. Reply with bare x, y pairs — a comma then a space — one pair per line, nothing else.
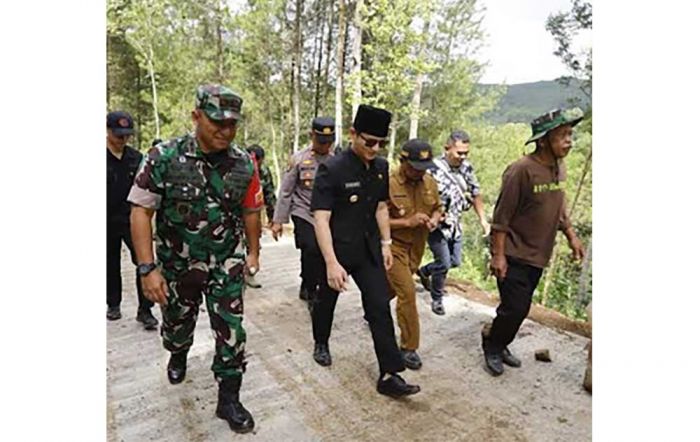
386, 242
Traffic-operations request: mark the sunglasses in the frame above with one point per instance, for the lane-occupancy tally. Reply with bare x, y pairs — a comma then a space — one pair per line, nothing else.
373, 142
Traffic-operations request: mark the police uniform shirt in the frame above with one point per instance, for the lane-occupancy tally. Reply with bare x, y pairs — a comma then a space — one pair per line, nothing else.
297, 186
120, 177
352, 192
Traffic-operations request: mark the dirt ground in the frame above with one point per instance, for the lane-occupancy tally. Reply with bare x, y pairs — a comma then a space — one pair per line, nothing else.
294, 399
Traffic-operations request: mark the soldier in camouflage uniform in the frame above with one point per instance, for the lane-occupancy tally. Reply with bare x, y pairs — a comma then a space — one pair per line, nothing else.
268, 189
206, 194
266, 181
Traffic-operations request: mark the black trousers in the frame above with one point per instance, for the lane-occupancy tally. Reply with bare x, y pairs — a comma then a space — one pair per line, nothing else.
374, 288
116, 233
516, 291
311, 258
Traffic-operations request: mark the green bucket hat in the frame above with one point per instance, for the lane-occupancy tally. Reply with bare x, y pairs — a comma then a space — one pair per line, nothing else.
551, 120
219, 102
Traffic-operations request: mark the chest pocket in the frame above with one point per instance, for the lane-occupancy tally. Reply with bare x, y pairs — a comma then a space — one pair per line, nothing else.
401, 205
236, 183
307, 173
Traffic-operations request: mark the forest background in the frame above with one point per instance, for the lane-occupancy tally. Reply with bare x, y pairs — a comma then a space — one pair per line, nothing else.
292, 60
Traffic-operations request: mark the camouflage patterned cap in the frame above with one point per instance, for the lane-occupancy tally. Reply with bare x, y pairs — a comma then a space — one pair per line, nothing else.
551, 120
219, 102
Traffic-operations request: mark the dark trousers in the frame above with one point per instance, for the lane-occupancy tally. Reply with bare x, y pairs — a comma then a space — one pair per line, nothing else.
311, 258
447, 253
516, 291
374, 288
116, 233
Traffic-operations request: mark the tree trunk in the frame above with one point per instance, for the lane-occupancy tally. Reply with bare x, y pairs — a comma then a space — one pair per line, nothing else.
339, 80
392, 137
415, 107
318, 52
275, 161
219, 45
297, 69
415, 102
329, 46
154, 90
357, 58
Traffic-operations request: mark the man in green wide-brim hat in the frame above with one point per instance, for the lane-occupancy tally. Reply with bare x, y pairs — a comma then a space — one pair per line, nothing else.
530, 209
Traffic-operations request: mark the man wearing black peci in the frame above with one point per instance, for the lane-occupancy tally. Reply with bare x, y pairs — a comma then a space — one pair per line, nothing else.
349, 202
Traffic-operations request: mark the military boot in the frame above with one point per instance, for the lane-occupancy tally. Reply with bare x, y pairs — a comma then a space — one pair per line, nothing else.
230, 409
177, 367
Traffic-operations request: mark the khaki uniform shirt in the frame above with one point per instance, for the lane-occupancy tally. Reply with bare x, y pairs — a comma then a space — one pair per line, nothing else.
406, 199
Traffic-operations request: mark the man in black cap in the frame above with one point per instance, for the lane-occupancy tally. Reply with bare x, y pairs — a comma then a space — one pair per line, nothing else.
414, 210
122, 163
352, 228
530, 209
295, 200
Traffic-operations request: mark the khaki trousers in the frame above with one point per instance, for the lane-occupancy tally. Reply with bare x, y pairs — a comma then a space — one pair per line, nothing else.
402, 287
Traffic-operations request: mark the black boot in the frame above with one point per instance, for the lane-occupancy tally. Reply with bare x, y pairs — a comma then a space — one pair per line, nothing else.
509, 359
303, 293
230, 408
145, 317
322, 354
177, 367
394, 386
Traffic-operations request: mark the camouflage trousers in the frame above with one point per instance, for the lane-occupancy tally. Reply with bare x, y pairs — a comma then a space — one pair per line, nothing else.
221, 285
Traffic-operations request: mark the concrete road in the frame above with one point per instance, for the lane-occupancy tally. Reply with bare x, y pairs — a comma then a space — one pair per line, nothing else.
294, 399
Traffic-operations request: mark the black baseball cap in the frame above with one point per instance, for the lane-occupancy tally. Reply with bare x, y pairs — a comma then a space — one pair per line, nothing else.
324, 128
418, 153
120, 122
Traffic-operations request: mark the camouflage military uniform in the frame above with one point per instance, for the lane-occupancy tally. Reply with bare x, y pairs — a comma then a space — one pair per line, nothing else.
268, 189
199, 247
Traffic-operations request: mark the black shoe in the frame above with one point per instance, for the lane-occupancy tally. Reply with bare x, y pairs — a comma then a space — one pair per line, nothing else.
509, 359
411, 359
114, 313
303, 293
230, 409
394, 386
145, 317
177, 367
424, 279
437, 307
494, 362
322, 355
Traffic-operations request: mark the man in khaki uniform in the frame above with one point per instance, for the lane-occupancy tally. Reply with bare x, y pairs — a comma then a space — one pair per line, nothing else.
414, 211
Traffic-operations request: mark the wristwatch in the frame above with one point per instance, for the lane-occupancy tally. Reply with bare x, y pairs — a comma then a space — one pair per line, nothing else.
145, 269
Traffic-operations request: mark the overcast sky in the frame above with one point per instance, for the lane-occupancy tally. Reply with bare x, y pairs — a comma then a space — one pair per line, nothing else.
517, 46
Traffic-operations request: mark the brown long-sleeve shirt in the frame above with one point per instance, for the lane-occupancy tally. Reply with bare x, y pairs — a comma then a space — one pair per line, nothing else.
530, 209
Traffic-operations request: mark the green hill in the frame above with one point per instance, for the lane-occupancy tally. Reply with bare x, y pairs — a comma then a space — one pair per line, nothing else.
522, 102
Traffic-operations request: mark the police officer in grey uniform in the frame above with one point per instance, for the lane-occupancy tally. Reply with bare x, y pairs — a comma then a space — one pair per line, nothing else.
349, 202
295, 200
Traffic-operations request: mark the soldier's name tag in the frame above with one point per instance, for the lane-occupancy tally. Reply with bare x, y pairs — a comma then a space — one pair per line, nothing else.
353, 198
353, 185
